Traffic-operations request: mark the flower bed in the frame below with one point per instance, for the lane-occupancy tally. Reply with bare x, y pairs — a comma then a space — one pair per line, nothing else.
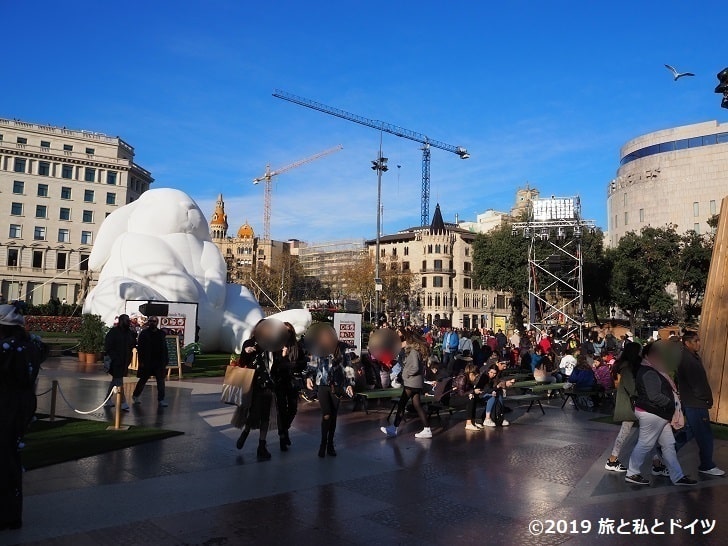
66, 325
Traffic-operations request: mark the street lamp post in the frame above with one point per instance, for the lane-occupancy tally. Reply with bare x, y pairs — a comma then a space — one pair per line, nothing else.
380, 165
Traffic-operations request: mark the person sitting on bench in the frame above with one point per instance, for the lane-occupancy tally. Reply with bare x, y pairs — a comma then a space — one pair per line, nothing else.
467, 395
489, 385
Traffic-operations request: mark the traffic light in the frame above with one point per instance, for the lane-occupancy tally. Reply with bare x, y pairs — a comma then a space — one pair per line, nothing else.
722, 87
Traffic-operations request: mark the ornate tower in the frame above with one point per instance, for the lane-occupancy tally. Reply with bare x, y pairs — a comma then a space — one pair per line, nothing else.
218, 223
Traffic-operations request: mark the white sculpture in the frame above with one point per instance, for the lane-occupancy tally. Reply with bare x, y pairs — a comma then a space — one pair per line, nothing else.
159, 248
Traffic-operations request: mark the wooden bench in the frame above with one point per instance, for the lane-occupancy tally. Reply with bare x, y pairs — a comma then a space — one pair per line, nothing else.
530, 398
376, 394
573, 395
429, 404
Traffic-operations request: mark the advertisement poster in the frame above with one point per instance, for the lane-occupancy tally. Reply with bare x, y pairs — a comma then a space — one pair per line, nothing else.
181, 320
348, 328
500, 323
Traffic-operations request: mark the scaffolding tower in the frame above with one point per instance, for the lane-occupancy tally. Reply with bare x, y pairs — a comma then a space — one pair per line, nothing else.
555, 228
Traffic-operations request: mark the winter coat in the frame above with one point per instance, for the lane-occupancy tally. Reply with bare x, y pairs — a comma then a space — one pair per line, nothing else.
695, 391
152, 351
413, 371
118, 345
623, 406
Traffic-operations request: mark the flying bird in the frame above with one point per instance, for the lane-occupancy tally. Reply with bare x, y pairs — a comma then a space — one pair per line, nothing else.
677, 75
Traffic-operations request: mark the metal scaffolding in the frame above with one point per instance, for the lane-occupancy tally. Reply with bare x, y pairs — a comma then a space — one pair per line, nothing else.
555, 283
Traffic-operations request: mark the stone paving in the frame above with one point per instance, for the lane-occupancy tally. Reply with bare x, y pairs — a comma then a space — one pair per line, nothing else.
458, 488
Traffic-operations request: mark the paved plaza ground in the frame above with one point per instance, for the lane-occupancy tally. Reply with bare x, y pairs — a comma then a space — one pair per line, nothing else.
458, 488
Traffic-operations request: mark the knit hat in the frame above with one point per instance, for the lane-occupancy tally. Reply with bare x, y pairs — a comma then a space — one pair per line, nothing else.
9, 316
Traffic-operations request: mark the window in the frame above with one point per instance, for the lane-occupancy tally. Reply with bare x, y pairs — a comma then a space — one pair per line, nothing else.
41, 211
67, 172
424, 282
437, 249
37, 259
424, 265
615, 220
65, 214
88, 216
42, 190
383, 253
468, 267
405, 266
626, 218
61, 259
438, 265
87, 237
696, 209
67, 147
696, 228
39, 233
65, 192
712, 208
467, 283
642, 215
500, 301
16, 209
429, 249
437, 282
467, 251
437, 299
15, 231
44, 168
111, 200
45, 143
90, 175
111, 177
406, 251
18, 187
19, 166
12, 257
88, 196
83, 262
394, 250
22, 140
64, 235
90, 151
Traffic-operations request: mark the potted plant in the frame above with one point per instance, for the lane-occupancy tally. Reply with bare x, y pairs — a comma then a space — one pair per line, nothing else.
91, 338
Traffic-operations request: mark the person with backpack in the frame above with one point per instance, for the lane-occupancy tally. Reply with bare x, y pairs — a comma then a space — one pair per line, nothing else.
20, 361
413, 379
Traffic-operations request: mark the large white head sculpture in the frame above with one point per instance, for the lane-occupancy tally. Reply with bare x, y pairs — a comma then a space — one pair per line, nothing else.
159, 248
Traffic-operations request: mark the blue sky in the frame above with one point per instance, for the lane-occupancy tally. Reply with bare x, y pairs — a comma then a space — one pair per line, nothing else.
539, 92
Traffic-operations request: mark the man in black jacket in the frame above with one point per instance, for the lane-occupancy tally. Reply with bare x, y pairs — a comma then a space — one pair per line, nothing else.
697, 398
152, 354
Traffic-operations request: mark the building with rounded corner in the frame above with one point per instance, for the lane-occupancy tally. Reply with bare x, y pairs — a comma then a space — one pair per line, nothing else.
674, 176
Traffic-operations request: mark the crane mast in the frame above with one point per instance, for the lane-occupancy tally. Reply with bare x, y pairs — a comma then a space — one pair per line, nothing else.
268, 179
390, 128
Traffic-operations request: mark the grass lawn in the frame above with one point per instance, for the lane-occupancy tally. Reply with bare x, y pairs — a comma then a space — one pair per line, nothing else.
52, 443
207, 365
720, 432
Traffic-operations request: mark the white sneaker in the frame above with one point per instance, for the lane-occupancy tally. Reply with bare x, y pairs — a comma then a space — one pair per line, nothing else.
471, 427
424, 433
715, 471
505, 423
125, 407
390, 431
163, 404
135, 400
488, 423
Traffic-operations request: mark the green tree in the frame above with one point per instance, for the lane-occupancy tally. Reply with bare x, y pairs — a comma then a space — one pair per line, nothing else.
692, 274
500, 262
596, 273
643, 267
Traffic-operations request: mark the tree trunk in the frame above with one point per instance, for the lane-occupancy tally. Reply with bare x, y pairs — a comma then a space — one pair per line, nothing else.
595, 315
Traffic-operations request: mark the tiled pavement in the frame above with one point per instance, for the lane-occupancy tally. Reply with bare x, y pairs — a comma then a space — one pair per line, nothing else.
458, 488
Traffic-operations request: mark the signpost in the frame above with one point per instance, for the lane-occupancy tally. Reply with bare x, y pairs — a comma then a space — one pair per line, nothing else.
348, 328
174, 355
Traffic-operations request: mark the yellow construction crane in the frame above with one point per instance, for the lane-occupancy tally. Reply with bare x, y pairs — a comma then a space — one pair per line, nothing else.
268, 177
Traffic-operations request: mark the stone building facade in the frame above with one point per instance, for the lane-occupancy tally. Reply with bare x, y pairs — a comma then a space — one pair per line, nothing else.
56, 187
675, 176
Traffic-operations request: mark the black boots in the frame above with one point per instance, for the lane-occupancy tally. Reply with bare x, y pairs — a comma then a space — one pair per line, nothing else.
263, 453
285, 441
327, 438
243, 436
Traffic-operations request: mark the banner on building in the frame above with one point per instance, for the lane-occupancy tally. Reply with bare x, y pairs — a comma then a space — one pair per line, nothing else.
499, 323
181, 319
348, 328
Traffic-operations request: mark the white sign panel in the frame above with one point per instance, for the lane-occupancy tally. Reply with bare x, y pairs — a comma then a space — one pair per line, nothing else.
181, 319
348, 328
556, 208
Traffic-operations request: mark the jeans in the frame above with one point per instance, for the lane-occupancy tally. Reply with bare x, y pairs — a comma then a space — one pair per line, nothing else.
489, 403
654, 429
698, 427
446, 361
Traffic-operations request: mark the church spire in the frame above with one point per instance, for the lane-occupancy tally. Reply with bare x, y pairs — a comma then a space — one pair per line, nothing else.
438, 224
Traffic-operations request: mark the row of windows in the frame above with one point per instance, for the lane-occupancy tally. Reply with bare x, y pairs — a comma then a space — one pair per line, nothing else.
40, 233
39, 260
430, 249
696, 213
683, 144
20, 165
89, 196
41, 211
47, 144
472, 301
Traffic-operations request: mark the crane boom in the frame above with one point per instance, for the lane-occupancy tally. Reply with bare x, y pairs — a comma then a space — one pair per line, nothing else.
268, 177
391, 129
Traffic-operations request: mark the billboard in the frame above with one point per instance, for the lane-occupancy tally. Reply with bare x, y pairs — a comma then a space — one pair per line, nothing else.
181, 318
555, 208
348, 328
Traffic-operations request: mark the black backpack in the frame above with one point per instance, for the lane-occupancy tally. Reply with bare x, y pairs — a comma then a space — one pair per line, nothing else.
497, 413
